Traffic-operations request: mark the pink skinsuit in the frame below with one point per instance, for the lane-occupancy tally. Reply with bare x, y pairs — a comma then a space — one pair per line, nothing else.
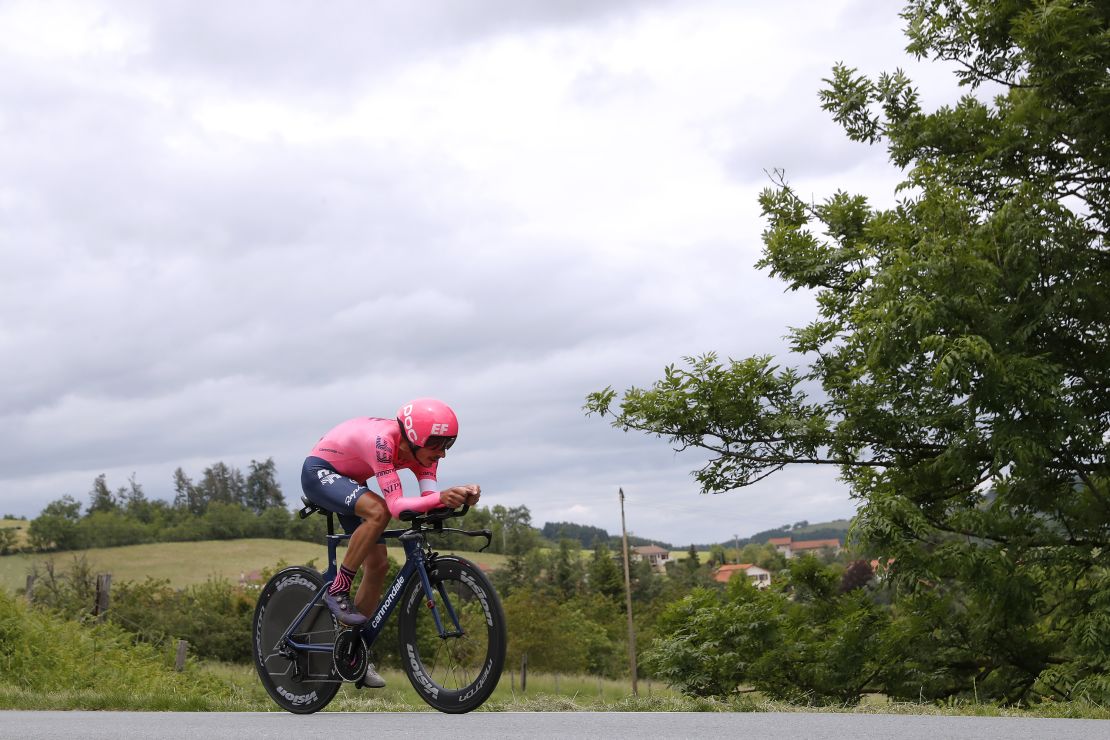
366, 448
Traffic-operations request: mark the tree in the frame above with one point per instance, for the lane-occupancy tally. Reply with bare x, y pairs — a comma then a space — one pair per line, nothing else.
564, 569
689, 570
262, 490
57, 526
134, 501
586, 535
541, 625
221, 483
604, 575
799, 641
100, 497
521, 571
692, 561
960, 348
765, 556
513, 531
186, 496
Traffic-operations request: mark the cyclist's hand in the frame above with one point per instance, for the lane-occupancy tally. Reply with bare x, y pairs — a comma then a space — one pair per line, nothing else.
456, 496
453, 497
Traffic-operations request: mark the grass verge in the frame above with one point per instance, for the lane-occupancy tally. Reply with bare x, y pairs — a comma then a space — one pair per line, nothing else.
398, 696
50, 663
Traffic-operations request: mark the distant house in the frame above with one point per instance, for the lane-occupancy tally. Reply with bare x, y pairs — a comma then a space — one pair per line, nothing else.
654, 554
759, 577
782, 544
789, 548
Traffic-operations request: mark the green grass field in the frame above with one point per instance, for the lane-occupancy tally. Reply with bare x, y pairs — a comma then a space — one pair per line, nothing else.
187, 563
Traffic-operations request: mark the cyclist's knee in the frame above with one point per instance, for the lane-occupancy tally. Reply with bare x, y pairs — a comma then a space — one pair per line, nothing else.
373, 510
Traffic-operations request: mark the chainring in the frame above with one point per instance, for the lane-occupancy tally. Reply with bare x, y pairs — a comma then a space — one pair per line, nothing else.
350, 655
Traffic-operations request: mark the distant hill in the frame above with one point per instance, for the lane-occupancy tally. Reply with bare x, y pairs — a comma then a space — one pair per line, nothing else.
589, 537
803, 530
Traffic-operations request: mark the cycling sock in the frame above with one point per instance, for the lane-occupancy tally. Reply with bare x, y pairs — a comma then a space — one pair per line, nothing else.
342, 582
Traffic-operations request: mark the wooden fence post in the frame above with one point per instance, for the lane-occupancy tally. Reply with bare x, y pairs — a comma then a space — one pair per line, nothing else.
103, 591
523, 672
30, 590
182, 649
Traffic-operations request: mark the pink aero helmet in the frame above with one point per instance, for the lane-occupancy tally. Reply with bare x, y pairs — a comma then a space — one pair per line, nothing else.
428, 422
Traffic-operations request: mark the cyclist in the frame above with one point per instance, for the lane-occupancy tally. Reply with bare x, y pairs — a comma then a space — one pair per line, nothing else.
352, 453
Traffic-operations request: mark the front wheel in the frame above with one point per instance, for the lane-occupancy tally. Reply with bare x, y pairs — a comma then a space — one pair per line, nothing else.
454, 673
300, 682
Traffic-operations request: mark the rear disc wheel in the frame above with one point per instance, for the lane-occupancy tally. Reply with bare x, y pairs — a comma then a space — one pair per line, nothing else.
299, 681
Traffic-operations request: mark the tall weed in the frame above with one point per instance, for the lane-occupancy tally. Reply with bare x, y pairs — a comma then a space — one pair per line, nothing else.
44, 659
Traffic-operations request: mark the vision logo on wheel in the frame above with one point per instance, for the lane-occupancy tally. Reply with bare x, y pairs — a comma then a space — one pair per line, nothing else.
418, 673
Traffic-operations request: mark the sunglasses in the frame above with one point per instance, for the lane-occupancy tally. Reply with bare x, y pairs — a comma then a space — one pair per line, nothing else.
439, 443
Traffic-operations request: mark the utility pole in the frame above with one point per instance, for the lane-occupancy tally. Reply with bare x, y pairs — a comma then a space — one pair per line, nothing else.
628, 602
736, 541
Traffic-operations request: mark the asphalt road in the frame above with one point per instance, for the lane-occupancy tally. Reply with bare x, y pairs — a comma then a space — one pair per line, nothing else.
532, 725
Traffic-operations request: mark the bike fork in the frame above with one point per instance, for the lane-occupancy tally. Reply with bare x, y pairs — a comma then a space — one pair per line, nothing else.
430, 600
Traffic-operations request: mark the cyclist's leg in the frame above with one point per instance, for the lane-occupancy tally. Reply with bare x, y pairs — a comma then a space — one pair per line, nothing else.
358, 511
375, 568
371, 509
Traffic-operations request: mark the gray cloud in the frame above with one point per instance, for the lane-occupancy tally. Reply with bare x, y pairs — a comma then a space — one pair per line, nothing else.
321, 49
189, 281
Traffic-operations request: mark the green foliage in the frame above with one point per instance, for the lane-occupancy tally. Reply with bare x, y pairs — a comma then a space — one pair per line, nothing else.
223, 506
56, 527
262, 491
112, 528
8, 540
42, 654
513, 533
801, 641
585, 535
215, 617
559, 635
101, 498
960, 347
604, 575
765, 556
68, 591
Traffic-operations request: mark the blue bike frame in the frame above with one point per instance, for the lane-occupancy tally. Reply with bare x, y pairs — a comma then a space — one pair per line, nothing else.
415, 565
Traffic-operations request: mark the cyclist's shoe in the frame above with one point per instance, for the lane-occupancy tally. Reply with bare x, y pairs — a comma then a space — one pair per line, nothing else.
371, 679
343, 610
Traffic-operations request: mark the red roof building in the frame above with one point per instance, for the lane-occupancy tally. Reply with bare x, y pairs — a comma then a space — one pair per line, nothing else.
788, 547
760, 577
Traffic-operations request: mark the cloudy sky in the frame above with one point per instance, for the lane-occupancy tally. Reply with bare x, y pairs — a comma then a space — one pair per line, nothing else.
225, 227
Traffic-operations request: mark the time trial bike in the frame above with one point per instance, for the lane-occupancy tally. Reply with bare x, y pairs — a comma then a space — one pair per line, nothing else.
451, 626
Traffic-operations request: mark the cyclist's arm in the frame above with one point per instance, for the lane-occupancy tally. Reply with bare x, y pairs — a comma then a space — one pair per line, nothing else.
397, 502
